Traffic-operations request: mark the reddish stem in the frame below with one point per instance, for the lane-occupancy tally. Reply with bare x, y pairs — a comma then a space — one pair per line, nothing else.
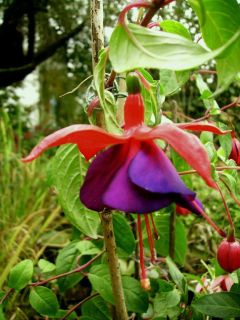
209, 220
230, 192
138, 4
153, 24
145, 283
150, 238
207, 115
141, 255
79, 305
226, 208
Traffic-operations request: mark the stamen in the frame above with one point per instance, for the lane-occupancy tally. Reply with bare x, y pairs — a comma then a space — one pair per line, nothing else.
155, 232
145, 283
150, 238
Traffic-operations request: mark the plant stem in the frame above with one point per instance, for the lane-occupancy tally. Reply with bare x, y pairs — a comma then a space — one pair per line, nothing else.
110, 244
228, 214
96, 14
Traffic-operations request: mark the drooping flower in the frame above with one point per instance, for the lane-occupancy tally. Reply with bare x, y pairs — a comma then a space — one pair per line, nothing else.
132, 173
235, 152
133, 163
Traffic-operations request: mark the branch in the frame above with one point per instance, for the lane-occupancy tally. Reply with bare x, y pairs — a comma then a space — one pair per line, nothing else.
78, 269
31, 30
79, 305
18, 73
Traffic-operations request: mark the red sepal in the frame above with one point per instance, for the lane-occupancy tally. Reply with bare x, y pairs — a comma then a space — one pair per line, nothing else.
186, 144
90, 139
202, 126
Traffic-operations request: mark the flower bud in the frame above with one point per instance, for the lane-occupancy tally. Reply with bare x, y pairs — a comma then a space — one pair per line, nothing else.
228, 255
133, 83
235, 152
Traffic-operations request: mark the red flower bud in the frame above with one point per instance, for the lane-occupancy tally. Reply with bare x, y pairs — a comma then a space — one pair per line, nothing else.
228, 255
182, 211
235, 153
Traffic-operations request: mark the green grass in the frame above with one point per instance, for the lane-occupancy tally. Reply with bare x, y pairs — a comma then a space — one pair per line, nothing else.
28, 207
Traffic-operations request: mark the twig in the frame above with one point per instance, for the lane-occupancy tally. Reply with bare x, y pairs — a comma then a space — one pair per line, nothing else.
235, 103
78, 269
6, 295
217, 168
79, 305
207, 115
77, 87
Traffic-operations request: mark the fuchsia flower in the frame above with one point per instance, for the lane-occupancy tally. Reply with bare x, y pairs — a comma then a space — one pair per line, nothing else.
132, 173
235, 152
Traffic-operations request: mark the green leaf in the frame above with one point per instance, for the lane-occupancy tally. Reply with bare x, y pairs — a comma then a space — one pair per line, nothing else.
220, 305
2, 316
100, 280
67, 261
219, 21
20, 275
107, 100
165, 304
211, 151
175, 27
68, 170
177, 276
136, 299
86, 247
206, 95
123, 235
145, 48
164, 286
181, 165
172, 81
46, 266
44, 301
226, 144
97, 309
152, 106
162, 245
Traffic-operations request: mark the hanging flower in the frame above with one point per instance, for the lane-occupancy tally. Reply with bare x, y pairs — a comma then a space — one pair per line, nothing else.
235, 152
132, 173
